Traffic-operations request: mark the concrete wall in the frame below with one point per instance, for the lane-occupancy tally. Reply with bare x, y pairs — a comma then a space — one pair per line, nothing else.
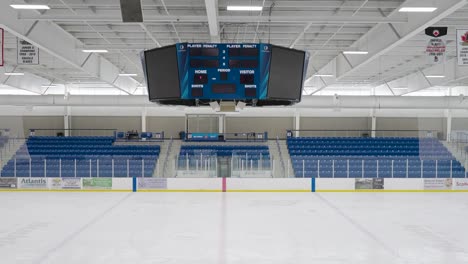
459, 123
275, 126
394, 123
170, 125
362, 124
20, 125
121, 123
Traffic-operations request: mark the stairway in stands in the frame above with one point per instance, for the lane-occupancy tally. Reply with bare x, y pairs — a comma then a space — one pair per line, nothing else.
8, 148
459, 151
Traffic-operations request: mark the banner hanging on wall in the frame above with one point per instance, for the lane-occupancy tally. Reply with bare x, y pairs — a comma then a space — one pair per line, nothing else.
27, 53
436, 47
2, 41
462, 47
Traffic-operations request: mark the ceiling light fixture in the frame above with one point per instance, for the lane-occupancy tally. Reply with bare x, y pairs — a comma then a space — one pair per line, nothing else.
435, 76
417, 9
95, 51
400, 88
244, 8
355, 52
128, 74
49, 86
35, 7
14, 73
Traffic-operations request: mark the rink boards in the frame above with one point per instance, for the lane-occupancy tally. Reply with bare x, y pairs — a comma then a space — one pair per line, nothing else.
233, 185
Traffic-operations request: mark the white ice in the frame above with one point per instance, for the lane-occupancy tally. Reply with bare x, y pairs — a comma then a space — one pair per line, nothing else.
232, 228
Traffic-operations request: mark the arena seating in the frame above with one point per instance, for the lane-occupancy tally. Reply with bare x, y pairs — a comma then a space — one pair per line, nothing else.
372, 157
59, 156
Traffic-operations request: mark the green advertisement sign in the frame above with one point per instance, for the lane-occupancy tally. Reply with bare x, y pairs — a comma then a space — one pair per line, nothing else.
97, 183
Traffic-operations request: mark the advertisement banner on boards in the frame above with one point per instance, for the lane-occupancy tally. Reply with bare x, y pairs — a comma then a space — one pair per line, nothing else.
32, 183
462, 47
64, 183
27, 53
437, 46
2, 46
438, 184
369, 184
152, 183
460, 184
97, 183
71, 183
54, 183
8, 183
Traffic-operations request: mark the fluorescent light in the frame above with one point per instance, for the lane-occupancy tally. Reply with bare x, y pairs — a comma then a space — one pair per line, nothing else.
14, 73
400, 88
95, 51
30, 7
48, 86
323, 75
418, 9
128, 74
355, 52
435, 76
244, 8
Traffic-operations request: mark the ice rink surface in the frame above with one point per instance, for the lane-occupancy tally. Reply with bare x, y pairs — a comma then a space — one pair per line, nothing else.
259, 228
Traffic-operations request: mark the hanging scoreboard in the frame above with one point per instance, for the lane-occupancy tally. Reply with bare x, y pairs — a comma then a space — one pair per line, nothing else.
197, 73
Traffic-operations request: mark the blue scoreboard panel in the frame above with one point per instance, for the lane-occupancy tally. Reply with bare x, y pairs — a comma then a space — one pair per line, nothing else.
223, 71
198, 73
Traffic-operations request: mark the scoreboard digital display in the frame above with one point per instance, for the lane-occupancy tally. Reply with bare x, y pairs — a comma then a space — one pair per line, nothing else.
231, 72
223, 71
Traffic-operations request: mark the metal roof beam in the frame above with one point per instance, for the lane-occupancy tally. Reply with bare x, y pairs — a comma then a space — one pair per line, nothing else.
385, 37
52, 39
224, 19
212, 14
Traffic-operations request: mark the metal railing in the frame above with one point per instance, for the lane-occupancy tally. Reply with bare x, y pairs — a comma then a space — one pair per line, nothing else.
355, 168
79, 167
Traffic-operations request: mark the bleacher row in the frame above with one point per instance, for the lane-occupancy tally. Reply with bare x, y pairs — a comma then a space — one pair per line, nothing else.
372, 157
81, 157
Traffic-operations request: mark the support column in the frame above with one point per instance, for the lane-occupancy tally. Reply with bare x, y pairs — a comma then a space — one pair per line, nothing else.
221, 120
143, 120
297, 124
66, 121
449, 124
374, 125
